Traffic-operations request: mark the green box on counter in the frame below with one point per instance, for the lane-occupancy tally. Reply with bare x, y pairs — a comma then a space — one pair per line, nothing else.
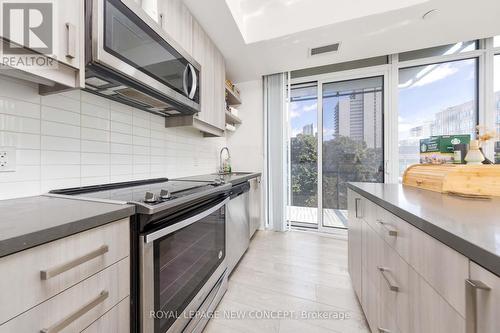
439, 149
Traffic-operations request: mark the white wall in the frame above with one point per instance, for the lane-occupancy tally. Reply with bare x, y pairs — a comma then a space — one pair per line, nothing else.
77, 139
246, 144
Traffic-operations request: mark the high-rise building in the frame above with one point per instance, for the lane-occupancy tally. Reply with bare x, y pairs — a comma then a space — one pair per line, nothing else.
308, 129
357, 116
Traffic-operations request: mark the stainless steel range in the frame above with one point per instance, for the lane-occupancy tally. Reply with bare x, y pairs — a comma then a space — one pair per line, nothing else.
178, 244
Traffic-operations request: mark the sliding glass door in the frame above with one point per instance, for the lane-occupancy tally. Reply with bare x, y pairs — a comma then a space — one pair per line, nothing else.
348, 147
303, 143
352, 142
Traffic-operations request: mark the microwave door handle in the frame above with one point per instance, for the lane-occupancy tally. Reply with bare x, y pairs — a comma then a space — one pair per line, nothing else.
185, 80
194, 85
149, 238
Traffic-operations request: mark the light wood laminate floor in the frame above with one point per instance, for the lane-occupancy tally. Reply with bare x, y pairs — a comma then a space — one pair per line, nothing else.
288, 276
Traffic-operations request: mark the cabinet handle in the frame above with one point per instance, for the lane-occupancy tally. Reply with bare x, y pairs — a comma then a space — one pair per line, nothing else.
392, 285
161, 19
357, 204
57, 327
383, 330
391, 232
471, 288
49, 273
70, 40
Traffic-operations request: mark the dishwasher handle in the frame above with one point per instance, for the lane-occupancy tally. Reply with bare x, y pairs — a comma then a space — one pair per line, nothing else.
239, 189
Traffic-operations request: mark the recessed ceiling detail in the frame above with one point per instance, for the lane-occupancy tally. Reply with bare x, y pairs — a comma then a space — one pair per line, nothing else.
260, 20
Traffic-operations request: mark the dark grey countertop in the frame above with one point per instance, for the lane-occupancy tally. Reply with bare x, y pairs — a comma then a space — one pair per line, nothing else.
32, 221
233, 178
469, 226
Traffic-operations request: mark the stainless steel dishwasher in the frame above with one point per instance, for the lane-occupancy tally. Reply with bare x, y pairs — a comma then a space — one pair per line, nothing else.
238, 224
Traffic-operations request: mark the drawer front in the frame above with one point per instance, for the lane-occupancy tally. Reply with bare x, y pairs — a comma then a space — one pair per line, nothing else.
394, 231
443, 268
116, 320
76, 308
39, 273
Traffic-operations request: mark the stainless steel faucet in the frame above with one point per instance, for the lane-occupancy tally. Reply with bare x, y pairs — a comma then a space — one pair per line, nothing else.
221, 169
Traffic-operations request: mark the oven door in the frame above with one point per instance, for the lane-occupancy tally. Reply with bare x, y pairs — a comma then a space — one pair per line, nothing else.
124, 38
182, 267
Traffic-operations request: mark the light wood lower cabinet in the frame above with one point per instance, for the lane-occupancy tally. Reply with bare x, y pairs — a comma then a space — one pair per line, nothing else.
81, 256
354, 234
483, 301
76, 308
406, 281
116, 320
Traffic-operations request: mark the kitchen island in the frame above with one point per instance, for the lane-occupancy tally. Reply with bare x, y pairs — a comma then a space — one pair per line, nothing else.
422, 261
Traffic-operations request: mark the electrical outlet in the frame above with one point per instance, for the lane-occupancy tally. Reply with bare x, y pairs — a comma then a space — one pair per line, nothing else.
7, 159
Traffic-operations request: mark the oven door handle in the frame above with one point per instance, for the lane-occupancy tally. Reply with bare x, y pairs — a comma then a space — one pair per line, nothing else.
149, 238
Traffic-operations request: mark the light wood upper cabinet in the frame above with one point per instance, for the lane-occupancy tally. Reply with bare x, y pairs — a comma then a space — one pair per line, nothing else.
177, 21
483, 301
68, 31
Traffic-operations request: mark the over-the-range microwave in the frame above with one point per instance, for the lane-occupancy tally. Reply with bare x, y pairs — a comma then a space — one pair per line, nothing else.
131, 60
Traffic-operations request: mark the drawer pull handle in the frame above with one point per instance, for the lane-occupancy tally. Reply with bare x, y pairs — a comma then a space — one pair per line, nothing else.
383, 330
71, 318
47, 274
392, 285
391, 232
70, 41
357, 206
471, 288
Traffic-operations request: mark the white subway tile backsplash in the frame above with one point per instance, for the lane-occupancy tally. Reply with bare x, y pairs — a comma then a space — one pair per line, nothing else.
121, 138
60, 101
77, 139
95, 171
118, 148
22, 173
95, 134
48, 185
121, 159
19, 189
28, 157
50, 157
120, 127
122, 116
93, 99
95, 146
59, 143
60, 171
61, 116
96, 123
95, 110
19, 108
95, 158
59, 129
89, 181
19, 124
141, 141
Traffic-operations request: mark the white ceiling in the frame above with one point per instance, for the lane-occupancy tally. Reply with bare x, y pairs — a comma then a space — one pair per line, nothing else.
260, 20
276, 35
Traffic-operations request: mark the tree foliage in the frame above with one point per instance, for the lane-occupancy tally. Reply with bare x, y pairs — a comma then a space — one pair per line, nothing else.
344, 160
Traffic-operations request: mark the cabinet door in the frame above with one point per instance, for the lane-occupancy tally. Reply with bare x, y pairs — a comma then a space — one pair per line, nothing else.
370, 259
484, 290
177, 21
355, 211
219, 93
429, 312
68, 31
